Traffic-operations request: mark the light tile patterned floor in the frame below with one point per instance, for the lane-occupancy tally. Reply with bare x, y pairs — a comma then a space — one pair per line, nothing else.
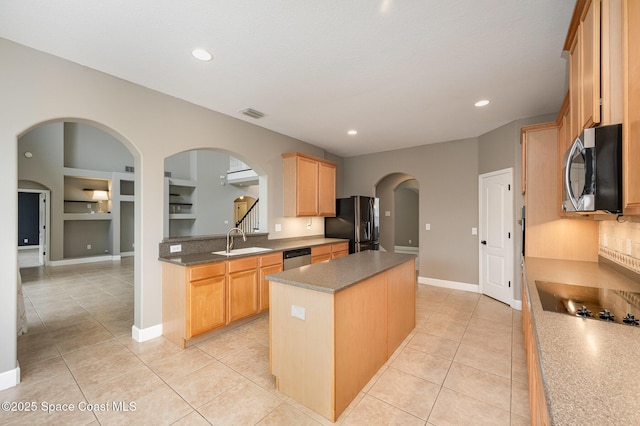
463, 364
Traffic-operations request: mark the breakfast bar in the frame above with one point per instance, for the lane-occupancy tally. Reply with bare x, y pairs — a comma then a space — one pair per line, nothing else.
334, 324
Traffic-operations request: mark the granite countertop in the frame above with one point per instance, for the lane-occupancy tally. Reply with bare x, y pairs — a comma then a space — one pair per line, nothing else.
339, 274
274, 245
589, 367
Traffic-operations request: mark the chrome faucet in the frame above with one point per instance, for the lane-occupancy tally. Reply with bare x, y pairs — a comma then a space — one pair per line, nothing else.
230, 245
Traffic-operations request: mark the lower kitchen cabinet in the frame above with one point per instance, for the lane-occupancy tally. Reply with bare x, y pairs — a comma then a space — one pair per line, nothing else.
269, 264
202, 298
320, 253
242, 289
537, 400
206, 305
339, 250
193, 300
329, 251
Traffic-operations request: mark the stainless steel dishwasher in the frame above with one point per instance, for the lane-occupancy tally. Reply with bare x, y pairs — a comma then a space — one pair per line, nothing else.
296, 258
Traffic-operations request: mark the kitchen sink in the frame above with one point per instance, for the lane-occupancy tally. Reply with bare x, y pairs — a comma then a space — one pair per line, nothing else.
247, 250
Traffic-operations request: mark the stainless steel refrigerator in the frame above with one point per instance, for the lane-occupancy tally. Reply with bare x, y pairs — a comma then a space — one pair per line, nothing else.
358, 219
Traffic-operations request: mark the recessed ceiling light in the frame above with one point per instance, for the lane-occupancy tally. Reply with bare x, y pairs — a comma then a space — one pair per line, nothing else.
201, 54
352, 132
482, 103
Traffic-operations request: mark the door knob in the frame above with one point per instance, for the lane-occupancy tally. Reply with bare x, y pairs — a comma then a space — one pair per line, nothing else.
483, 242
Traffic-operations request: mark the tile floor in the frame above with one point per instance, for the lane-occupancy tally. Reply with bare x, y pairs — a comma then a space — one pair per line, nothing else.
463, 364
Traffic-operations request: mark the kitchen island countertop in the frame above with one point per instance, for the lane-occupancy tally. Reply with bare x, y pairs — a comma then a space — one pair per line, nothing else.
589, 367
339, 274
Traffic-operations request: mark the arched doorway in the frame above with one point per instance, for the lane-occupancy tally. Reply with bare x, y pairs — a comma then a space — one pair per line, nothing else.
208, 191
91, 297
399, 212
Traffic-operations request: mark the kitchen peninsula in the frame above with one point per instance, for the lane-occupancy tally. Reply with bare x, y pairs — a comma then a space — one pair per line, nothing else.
334, 324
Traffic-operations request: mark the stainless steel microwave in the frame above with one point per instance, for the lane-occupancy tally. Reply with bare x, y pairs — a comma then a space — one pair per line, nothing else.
592, 170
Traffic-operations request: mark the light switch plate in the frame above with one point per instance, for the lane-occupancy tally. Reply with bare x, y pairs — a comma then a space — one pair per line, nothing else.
278, 227
427, 227
474, 231
298, 312
175, 248
387, 213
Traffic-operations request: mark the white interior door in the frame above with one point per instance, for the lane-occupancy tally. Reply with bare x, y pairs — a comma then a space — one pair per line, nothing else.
496, 235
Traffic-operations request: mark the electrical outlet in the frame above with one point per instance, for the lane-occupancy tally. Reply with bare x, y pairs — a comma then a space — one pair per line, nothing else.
278, 227
88, 246
89, 206
474, 231
175, 248
427, 227
409, 241
298, 312
26, 241
387, 213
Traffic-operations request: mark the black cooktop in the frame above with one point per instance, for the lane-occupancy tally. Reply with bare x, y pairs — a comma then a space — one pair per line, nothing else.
602, 304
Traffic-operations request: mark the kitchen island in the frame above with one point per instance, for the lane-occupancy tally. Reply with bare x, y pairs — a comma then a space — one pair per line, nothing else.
587, 368
334, 324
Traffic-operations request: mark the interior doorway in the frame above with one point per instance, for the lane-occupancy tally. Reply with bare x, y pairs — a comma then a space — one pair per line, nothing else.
33, 227
399, 195
496, 235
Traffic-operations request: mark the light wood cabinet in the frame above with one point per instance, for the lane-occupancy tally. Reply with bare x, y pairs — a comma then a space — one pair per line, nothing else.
206, 305
631, 107
242, 288
309, 185
324, 361
269, 264
339, 250
583, 44
538, 411
320, 253
193, 300
329, 251
202, 298
564, 142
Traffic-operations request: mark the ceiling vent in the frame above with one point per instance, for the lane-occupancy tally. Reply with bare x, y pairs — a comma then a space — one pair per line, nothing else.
252, 113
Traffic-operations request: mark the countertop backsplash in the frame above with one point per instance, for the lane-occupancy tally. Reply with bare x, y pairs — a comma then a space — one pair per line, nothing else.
619, 242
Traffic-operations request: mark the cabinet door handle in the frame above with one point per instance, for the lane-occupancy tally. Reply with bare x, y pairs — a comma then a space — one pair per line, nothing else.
483, 242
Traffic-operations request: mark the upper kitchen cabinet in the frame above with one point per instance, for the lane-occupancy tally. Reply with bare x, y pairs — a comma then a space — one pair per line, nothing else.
631, 119
593, 43
309, 185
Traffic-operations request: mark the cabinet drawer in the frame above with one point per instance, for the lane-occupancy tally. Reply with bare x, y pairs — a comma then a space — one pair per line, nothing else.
320, 250
206, 271
243, 264
340, 247
271, 259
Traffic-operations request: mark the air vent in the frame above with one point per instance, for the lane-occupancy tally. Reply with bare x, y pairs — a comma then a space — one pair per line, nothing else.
252, 113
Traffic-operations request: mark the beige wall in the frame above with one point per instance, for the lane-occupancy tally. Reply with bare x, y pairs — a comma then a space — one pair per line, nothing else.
38, 88
447, 174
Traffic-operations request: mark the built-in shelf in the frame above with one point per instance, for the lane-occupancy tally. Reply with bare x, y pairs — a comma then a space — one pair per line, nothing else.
182, 216
87, 216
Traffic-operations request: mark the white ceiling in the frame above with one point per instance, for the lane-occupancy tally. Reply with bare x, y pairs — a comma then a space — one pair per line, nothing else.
403, 73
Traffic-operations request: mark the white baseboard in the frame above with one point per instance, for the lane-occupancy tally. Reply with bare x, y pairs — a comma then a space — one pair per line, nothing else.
406, 250
144, 334
81, 260
127, 254
473, 288
10, 378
